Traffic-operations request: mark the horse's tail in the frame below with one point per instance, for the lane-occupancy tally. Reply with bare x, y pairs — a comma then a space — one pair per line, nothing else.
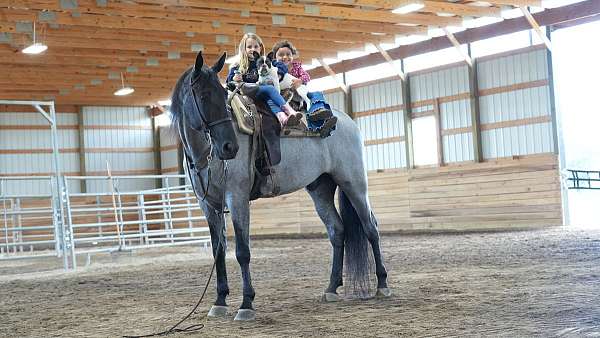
358, 262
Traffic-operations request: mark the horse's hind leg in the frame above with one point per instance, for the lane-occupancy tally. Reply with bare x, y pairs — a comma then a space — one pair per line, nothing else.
322, 193
218, 239
356, 191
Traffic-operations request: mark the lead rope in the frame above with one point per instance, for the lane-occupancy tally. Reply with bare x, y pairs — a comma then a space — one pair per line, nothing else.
199, 326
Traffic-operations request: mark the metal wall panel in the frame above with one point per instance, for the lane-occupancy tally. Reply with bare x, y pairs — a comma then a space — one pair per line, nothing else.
336, 100
168, 138
458, 147
506, 70
388, 125
518, 140
514, 105
530, 65
444, 82
377, 95
36, 140
119, 137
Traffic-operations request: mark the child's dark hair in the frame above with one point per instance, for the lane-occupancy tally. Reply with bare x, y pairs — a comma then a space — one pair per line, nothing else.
283, 44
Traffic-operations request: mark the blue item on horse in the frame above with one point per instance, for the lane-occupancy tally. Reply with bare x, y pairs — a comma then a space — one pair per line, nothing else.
317, 102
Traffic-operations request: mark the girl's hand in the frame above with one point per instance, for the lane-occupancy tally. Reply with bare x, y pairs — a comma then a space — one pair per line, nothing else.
237, 77
296, 83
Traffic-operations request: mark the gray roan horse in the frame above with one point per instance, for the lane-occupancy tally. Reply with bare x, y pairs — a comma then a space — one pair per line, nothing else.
319, 165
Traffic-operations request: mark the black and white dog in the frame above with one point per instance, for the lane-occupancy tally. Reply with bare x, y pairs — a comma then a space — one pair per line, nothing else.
267, 74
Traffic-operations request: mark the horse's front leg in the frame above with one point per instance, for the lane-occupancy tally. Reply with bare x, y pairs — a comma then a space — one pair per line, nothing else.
216, 225
240, 216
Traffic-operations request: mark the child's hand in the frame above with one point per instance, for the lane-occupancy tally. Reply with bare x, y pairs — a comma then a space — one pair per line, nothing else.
237, 77
296, 83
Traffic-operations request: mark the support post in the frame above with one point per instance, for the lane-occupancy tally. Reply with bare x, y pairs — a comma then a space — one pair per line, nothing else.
475, 115
82, 166
559, 146
348, 99
156, 150
438, 132
407, 112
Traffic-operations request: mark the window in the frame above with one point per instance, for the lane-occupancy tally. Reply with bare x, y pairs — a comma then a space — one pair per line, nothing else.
424, 140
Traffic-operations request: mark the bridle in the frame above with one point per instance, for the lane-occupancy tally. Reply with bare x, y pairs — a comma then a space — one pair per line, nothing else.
207, 125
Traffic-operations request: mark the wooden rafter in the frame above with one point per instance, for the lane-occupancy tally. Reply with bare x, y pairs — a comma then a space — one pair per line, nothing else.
333, 75
536, 27
456, 45
321, 11
459, 9
390, 61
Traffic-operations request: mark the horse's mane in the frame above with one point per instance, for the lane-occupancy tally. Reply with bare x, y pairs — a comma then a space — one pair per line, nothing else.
178, 96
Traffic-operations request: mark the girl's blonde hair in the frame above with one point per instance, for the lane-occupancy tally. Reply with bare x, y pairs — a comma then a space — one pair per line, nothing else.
244, 61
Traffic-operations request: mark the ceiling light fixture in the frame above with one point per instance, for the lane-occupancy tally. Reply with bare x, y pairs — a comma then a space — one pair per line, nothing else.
35, 47
410, 6
124, 90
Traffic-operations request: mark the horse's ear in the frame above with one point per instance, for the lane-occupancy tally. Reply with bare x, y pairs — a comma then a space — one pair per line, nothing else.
198, 65
220, 63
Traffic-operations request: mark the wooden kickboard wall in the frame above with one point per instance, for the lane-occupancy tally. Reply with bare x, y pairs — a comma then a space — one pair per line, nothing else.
510, 193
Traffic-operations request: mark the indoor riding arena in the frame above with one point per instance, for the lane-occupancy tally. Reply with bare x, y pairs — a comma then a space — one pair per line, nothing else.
424, 168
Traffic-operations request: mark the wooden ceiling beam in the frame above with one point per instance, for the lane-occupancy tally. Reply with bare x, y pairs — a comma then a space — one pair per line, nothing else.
60, 59
73, 41
459, 9
135, 99
321, 11
207, 15
326, 30
516, 3
107, 53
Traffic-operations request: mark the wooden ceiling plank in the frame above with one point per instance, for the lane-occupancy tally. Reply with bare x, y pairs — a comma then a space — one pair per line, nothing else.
516, 3
263, 21
113, 23
430, 6
293, 9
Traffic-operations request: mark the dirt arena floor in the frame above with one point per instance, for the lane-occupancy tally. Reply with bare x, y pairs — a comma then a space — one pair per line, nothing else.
517, 284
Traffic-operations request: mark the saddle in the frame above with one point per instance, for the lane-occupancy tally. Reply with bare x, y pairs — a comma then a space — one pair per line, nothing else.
254, 118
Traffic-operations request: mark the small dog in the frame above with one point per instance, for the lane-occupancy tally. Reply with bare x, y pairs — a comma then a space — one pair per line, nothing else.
267, 74
286, 83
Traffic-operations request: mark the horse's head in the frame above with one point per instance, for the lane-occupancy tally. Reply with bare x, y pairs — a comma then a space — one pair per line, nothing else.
210, 102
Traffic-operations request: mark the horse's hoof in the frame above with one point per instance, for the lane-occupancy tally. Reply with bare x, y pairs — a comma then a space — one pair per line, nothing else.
218, 311
383, 293
245, 315
330, 297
